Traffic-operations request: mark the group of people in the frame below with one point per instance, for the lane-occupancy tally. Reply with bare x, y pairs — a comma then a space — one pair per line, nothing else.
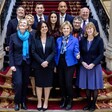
52, 48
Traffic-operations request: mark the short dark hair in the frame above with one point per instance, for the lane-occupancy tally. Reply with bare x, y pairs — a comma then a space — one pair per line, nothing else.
39, 3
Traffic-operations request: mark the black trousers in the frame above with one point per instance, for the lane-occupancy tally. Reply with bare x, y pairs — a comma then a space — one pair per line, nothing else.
65, 77
20, 81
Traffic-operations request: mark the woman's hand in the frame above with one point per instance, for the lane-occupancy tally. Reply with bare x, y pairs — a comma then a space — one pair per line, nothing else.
90, 66
55, 70
85, 64
13, 68
78, 56
44, 64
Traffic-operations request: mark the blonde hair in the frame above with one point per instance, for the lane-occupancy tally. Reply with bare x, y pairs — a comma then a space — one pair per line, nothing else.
66, 23
90, 25
30, 16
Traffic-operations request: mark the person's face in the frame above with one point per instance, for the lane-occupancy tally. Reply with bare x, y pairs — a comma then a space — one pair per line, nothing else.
23, 25
90, 31
62, 7
66, 30
39, 9
20, 12
76, 24
84, 13
53, 18
30, 20
44, 28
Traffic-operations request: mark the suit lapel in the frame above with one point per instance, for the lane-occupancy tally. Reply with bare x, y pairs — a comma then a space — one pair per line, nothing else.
47, 43
36, 19
92, 44
69, 42
59, 43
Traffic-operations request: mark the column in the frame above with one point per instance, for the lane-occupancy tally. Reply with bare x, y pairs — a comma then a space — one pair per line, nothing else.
108, 53
2, 53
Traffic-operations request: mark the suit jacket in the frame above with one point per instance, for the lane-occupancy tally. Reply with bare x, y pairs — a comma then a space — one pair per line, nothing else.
11, 28
34, 26
39, 56
71, 52
95, 23
95, 52
15, 52
68, 18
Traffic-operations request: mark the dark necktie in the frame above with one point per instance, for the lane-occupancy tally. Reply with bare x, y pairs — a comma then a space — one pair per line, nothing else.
84, 25
40, 19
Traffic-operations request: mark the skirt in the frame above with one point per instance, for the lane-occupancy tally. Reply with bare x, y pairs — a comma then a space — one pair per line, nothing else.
44, 77
90, 79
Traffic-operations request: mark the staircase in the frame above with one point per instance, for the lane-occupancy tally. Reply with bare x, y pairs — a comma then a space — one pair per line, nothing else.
6, 87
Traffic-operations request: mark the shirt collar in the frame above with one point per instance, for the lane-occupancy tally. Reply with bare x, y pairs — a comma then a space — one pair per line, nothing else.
41, 17
87, 20
62, 16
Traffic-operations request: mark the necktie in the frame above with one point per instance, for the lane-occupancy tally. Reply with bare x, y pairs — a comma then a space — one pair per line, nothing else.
40, 19
84, 25
61, 20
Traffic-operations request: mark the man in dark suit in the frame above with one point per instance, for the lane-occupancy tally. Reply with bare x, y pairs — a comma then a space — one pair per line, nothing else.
39, 15
84, 13
63, 16
12, 24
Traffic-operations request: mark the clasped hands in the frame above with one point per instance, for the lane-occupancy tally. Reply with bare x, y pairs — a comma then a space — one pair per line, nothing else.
90, 66
44, 64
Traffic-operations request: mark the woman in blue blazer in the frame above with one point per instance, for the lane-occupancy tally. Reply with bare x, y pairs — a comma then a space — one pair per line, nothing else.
19, 59
67, 53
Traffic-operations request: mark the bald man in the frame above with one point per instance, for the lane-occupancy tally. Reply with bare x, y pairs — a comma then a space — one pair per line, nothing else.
63, 16
84, 13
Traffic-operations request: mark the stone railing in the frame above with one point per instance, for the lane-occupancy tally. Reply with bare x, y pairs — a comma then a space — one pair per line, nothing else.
102, 14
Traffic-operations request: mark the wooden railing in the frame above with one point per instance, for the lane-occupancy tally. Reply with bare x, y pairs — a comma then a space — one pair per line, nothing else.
103, 15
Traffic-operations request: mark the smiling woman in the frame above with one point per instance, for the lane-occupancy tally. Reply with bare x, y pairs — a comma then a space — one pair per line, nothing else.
19, 56
43, 51
90, 75
67, 53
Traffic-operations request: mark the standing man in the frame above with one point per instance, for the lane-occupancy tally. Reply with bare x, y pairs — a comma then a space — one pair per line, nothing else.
39, 15
12, 24
84, 13
63, 16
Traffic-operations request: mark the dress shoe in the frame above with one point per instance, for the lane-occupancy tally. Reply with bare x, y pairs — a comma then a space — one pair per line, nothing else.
23, 106
44, 109
69, 103
16, 108
86, 107
92, 108
68, 107
63, 102
39, 108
